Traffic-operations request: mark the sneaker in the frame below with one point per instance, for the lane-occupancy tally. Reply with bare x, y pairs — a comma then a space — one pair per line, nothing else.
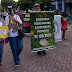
17, 65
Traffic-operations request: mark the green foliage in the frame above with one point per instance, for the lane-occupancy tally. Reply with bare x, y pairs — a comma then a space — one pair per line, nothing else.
24, 4
39, 1
4, 3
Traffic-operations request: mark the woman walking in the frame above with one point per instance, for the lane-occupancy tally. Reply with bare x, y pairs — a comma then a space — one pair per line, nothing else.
15, 41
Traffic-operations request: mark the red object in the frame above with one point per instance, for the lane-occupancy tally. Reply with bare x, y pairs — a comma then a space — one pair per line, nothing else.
26, 24
64, 25
20, 15
53, 10
6, 40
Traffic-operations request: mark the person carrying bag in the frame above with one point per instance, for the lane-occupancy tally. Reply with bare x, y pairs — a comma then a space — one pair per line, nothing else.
15, 40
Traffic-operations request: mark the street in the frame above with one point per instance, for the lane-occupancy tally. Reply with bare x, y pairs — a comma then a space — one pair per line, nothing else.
55, 60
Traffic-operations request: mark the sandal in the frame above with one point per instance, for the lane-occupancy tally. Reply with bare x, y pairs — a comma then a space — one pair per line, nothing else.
64, 39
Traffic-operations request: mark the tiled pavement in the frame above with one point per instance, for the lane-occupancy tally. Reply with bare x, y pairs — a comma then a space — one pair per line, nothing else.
56, 60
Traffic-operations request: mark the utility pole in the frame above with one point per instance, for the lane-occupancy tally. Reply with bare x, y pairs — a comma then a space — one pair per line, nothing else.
62, 5
56, 4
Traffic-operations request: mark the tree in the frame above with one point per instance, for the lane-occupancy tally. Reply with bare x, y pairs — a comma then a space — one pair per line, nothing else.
5, 3
24, 4
44, 4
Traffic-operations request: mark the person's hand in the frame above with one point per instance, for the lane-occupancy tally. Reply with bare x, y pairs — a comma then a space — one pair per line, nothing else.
10, 17
15, 20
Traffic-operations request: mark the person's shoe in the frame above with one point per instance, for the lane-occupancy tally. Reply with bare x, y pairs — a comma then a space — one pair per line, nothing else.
39, 52
64, 39
1, 64
44, 53
17, 65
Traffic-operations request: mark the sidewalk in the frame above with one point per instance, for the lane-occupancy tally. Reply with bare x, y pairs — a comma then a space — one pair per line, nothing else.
70, 21
56, 60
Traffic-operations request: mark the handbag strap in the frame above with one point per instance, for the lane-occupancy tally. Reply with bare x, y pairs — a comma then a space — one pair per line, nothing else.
18, 24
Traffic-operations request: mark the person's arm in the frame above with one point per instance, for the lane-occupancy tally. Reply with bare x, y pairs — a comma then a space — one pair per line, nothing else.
9, 25
62, 18
7, 22
18, 20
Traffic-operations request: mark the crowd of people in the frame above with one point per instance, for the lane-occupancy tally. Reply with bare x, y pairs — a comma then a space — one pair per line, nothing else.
15, 41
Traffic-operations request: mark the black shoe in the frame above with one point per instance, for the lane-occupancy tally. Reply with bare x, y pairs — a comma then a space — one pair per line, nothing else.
17, 65
44, 53
39, 53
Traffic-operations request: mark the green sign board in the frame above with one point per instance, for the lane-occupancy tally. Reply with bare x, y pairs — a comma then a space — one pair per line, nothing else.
42, 31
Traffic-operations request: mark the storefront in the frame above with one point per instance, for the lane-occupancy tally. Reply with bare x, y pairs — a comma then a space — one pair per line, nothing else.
59, 4
69, 7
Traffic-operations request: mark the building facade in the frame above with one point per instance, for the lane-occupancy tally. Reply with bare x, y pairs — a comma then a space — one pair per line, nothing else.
69, 6
62, 5
59, 4
0, 6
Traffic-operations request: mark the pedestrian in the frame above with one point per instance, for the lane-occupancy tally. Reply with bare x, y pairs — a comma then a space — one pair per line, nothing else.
37, 8
16, 43
1, 48
5, 14
69, 15
0, 15
64, 24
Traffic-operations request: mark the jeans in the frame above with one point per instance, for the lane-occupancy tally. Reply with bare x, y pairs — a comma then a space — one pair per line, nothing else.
16, 44
1, 49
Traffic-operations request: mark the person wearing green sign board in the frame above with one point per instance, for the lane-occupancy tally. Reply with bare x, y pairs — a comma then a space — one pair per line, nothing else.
37, 8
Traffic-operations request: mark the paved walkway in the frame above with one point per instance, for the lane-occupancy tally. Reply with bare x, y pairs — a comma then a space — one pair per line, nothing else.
56, 60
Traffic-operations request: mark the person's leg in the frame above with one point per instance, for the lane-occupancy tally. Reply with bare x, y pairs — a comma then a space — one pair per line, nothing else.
19, 45
44, 53
13, 44
64, 34
1, 51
